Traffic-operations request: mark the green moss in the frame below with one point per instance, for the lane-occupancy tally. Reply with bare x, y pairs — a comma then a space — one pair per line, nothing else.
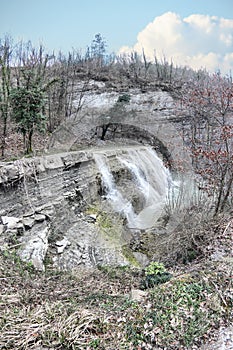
128, 254
104, 221
92, 209
111, 228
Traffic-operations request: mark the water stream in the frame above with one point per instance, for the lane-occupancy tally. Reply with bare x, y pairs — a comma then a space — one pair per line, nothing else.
150, 179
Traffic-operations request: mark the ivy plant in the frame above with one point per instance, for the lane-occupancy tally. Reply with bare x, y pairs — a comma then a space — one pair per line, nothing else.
27, 105
155, 273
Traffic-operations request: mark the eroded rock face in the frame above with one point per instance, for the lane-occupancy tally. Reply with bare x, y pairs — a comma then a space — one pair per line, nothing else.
42, 180
43, 212
149, 118
35, 246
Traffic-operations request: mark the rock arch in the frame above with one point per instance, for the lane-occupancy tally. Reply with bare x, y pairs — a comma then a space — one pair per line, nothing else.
116, 131
148, 118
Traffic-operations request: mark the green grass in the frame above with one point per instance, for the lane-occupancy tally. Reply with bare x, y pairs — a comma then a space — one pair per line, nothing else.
92, 309
180, 315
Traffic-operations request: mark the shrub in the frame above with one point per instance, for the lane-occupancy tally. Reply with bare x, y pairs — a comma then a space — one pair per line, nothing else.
155, 274
124, 98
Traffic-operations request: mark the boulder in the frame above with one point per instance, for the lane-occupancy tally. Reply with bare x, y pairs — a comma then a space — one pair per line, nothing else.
35, 249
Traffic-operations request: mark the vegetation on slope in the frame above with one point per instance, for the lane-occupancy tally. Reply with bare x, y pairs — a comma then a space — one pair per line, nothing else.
98, 308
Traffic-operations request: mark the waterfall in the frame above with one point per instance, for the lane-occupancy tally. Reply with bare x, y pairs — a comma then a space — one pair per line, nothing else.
150, 180
119, 203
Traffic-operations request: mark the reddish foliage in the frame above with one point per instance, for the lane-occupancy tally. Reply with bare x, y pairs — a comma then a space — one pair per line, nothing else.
209, 104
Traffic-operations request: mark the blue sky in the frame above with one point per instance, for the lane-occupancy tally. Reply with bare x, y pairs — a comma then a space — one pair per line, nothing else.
66, 24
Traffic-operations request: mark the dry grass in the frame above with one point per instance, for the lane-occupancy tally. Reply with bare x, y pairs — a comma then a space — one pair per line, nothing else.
58, 310
92, 309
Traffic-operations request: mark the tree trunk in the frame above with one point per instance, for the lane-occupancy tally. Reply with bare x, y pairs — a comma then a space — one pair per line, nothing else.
29, 142
220, 192
3, 145
227, 194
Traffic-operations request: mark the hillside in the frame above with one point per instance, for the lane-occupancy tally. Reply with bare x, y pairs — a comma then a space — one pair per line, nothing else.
105, 308
89, 148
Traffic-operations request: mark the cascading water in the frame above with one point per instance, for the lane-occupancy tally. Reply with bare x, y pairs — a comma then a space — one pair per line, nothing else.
150, 178
119, 203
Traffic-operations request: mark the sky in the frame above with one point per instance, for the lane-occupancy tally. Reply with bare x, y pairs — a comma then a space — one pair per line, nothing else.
197, 33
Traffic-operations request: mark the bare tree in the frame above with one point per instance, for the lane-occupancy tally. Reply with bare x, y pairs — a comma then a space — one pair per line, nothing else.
110, 121
207, 102
5, 84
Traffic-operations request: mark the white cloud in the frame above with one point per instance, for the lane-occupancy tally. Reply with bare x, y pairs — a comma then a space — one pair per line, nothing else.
203, 23
199, 41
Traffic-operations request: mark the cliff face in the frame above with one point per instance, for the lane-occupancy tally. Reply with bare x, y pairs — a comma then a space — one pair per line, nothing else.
149, 118
27, 184
51, 206
32, 192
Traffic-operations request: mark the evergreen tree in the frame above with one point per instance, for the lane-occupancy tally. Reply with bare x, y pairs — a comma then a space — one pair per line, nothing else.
27, 105
98, 49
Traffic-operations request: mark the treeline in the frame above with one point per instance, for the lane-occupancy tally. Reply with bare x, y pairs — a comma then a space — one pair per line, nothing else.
38, 89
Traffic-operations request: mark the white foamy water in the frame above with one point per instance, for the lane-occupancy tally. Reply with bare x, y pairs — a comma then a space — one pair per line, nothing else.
149, 176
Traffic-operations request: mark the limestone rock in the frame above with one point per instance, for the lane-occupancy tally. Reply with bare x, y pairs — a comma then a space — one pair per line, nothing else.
10, 172
10, 221
39, 217
87, 247
141, 258
224, 341
91, 218
35, 249
1, 229
61, 245
28, 222
138, 295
